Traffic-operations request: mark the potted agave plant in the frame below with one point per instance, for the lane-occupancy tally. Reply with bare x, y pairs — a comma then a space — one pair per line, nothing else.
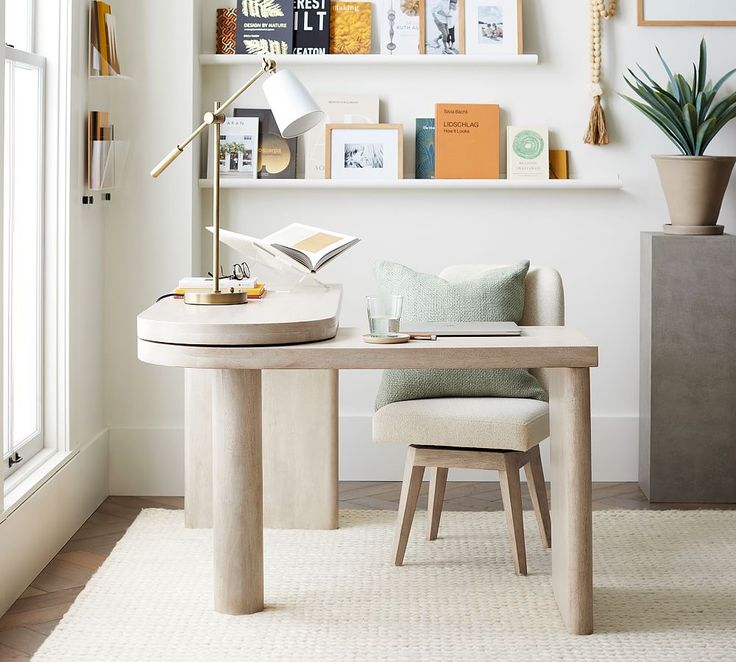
690, 115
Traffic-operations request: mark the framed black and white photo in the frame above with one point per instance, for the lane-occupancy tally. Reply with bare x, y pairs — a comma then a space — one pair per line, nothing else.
493, 27
442, 27
364, 151
675, 13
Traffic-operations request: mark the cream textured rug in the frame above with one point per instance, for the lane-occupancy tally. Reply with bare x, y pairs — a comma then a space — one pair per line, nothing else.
665, 589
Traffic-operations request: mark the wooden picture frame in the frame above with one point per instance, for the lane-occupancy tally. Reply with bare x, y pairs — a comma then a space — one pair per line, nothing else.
459, 28
643, 21
369, 173
509, 9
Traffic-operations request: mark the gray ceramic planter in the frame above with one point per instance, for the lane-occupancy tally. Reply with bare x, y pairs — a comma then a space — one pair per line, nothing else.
694, 187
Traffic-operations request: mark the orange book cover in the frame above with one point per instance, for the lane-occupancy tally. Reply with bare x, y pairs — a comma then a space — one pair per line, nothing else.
466, 140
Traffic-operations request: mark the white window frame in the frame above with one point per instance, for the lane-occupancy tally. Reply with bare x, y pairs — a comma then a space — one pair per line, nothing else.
52, 39
35, 443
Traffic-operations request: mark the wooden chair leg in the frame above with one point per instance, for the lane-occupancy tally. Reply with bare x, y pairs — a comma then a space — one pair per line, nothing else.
538, 493
511, 493
407, 505
437, 484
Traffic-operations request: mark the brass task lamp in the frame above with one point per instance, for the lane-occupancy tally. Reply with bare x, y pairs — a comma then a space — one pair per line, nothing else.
295, 113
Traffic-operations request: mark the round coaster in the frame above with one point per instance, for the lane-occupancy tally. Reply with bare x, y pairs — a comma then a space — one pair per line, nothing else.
693, 229
386, 340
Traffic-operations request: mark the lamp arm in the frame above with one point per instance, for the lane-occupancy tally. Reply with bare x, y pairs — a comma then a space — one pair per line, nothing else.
267, 66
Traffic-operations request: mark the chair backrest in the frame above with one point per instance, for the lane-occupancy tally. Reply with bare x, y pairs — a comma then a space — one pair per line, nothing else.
544, 298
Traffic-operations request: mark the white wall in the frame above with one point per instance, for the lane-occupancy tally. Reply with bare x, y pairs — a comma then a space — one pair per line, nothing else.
591, 237
148, 239
85, 260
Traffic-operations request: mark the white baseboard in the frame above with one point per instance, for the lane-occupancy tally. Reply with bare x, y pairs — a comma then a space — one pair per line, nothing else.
147, 461
34, 532
150, 462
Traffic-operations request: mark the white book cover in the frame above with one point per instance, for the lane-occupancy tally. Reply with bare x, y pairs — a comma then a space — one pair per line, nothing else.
399, 27
527, 151
338, 109
238, 148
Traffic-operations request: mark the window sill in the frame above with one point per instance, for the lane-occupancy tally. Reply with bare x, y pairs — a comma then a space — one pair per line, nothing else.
22, 484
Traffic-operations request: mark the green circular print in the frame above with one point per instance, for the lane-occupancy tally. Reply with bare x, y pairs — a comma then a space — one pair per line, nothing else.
528, 145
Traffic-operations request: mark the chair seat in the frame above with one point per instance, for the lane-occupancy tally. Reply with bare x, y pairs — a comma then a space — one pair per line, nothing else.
497, 423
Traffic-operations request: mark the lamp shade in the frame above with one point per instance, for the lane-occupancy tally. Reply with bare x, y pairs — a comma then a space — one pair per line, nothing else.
293, 108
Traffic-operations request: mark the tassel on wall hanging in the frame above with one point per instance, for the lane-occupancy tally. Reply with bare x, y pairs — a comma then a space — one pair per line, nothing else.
596, 133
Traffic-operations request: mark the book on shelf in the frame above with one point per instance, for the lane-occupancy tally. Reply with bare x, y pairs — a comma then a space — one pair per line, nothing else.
424, 148
276, 154
467, 141
302, 247
338, 109
558, 164
100, 159
103, 55
226, 31
238, 148
399, 27
350, 27
311, 27
253, 288
265, 26
527, 152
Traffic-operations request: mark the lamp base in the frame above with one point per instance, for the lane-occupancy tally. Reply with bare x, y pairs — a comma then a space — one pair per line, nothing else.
215, 298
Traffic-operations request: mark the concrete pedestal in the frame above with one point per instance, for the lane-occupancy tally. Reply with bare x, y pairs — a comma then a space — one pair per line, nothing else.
687, 438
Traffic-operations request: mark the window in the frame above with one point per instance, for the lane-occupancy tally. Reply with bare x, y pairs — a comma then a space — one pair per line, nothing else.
23, 240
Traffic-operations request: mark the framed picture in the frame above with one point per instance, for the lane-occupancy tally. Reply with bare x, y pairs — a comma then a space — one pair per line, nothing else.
687, 12
493, 26
364, 151
442, 27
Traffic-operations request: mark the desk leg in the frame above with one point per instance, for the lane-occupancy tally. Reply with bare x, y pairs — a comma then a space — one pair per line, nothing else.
300, 448
198, 448
237, 491
572, 531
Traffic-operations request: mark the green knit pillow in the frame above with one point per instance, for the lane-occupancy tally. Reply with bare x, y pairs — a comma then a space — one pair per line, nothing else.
495, 296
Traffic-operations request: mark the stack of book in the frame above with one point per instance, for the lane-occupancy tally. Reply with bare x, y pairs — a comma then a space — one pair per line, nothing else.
253, 288
103, 56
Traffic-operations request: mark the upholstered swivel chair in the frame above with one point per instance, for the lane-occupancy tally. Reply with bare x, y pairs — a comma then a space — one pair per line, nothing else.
482, 433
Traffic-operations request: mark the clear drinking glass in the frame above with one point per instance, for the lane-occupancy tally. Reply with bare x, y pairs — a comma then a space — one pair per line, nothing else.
384, 315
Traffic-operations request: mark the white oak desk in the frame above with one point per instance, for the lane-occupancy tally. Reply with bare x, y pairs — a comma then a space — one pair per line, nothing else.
237, 452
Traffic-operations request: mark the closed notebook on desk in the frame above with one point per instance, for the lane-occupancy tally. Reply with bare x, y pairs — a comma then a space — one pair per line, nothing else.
462, 329
467, 141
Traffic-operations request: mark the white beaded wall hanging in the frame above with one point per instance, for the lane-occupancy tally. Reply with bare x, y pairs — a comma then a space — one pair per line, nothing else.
596, 133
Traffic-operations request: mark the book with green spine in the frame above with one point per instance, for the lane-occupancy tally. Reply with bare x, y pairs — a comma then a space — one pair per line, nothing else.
424, 148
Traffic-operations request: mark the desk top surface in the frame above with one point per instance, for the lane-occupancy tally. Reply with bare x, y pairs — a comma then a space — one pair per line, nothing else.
537, 347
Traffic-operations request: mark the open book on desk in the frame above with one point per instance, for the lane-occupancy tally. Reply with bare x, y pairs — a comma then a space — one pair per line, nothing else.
302, 247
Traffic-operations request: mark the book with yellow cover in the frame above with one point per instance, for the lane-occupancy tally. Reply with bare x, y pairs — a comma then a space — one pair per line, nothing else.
350, 27
466, 140
558, 164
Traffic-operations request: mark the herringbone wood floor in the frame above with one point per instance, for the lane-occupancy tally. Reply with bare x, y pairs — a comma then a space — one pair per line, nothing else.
35, 614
